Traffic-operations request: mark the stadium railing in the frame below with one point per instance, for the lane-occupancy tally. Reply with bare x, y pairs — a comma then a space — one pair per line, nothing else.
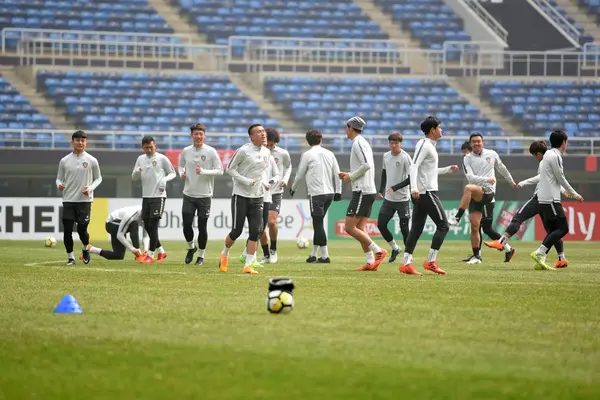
39, 139
561, 23
486, 17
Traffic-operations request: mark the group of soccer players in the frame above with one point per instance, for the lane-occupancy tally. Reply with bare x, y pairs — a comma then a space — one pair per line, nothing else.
260, 170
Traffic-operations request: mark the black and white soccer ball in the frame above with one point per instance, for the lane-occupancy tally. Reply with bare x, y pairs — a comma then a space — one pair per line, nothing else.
280, 302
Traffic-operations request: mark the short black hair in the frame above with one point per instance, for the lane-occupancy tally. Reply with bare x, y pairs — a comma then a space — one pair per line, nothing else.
147, 140
475, 134
395, 137
252, 127
197, 127
557, 138
466, 145
314, 137
272, 135
539, 146
430, 123
79, 135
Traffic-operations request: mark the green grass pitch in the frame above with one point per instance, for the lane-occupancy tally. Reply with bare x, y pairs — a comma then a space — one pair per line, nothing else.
171, 331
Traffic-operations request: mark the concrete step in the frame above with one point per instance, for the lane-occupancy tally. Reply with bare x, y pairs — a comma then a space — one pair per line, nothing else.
176, 20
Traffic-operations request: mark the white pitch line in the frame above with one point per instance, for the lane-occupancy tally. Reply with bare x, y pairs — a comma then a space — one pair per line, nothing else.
135, 271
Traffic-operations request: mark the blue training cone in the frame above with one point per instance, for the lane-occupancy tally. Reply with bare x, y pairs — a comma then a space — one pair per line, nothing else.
68, 305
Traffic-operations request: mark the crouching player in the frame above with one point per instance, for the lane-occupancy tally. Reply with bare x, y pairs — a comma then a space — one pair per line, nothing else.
121, 222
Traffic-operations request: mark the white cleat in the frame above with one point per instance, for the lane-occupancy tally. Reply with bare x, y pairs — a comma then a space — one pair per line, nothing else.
273, 257
474, 260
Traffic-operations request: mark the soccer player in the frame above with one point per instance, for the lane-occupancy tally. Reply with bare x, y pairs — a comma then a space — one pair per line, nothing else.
530, 209
284, 164
393, 188
465, 148
552, 177
319, 168
479, 167
78, 176
424, 186
362, 179
155, 170
198, 165
121, 222
247, 168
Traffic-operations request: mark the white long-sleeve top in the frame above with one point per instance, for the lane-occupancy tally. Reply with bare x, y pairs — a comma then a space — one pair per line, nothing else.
157, 170
271, 179
76, 171
124, 217
552, 177
320, 169
284, 165
247, 168
480, 167
362, 166
202, 184
535, 180
396, 169
424, 170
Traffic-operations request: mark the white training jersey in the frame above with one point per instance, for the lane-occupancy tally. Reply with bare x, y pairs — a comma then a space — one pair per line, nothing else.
76, 171
480, 167
552, 177
156, 171
397, 168
320, 169
124, 217
202, 184
284, 165
424, 170
362, 166
247, 168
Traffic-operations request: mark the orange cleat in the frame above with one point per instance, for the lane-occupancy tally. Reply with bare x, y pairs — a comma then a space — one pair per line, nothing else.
248, 270
161, 257
140, 258
147, 259
379, 257
368, 267
495, 244
434, 267
561, 264
408, 269
223, 261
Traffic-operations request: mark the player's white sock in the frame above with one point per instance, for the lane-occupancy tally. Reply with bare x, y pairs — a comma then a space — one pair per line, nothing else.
370, 257
314, 251
432, 255
190, 245
201, 253
503, 239
507, 247
161, 250
225, 251
324, 252
151, 253
561, 256
394, 245
542, 250
249, 259
376, 249
407, 259
70, 255
95, 250
245, 252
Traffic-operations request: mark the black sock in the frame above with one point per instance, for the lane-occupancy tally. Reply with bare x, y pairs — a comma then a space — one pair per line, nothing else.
459, 214
274, 245
476, 251
265, 248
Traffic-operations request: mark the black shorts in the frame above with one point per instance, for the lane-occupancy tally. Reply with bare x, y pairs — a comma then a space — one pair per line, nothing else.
552, 212
319, 204
265, 214
191, 205
360, 205
78, 212
485, 206
530, 209
153, 207
389, 208
275, 204
243, 208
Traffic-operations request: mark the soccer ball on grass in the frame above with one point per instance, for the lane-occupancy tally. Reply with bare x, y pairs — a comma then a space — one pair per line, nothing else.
302, 243
280, 302
50, 241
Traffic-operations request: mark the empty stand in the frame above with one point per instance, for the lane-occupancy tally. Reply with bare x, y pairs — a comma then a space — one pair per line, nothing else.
387, 105
280, 18
141, 102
